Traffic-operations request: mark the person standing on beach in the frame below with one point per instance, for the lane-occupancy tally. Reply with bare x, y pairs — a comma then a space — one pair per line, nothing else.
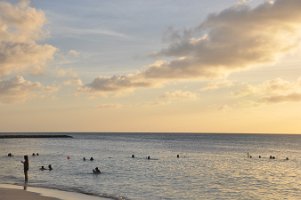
26, 167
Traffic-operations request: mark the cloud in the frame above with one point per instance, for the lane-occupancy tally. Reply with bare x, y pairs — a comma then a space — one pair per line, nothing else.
225, 108
82, 32
179, 94
109, 106
214, 85
74, 82
17, 89
20, 31
272, 91
119, 84
242, 2
293, 97
60, 72
175, 96
73, 53
235, 39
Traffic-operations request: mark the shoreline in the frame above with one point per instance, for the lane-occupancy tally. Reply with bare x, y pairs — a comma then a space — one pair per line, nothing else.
10, 192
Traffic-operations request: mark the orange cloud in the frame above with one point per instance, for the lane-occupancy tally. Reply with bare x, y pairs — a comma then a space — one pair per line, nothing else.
179, 94
272, 91
109, 106
175, 96
20, 30
232, 40
235, 39
17, 89
293, 97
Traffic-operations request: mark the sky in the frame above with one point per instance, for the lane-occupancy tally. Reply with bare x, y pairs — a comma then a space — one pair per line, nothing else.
150, 66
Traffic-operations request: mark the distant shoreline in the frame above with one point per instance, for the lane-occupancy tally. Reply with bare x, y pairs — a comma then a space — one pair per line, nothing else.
33, 136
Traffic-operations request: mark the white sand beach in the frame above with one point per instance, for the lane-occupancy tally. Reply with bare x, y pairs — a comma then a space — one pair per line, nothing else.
14, 192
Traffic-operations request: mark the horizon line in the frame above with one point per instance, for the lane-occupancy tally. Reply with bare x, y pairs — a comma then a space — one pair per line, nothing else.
144, 132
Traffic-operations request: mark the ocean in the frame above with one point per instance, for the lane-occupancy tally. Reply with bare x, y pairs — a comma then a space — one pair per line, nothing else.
210, 166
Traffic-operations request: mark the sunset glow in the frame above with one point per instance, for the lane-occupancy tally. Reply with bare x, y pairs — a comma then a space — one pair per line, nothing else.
150, 66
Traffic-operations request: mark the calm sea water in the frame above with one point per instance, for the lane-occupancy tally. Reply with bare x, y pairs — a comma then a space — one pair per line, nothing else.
209, 167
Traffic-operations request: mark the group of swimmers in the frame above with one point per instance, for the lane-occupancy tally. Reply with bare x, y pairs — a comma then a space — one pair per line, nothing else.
96, 170
271, 157
49, 168
42, 168
148, 157
91, 159
33, 154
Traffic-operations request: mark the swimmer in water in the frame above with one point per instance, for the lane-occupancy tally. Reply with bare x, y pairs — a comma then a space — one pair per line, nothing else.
96, 171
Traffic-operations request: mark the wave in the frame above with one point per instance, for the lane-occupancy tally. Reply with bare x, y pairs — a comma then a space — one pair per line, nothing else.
79, 190
10, 178
14, 181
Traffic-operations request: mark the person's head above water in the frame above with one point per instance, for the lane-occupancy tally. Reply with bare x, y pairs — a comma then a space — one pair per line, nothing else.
96, 170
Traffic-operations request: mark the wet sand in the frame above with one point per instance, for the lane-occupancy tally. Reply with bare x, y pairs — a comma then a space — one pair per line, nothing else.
15, 192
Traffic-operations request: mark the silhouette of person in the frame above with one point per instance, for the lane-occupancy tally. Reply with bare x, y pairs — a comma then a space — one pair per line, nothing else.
33, 154
178, 156
42, 168
50, 167
84, 158
91, 159
148, 157
26, 167
96, 171
133, 156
